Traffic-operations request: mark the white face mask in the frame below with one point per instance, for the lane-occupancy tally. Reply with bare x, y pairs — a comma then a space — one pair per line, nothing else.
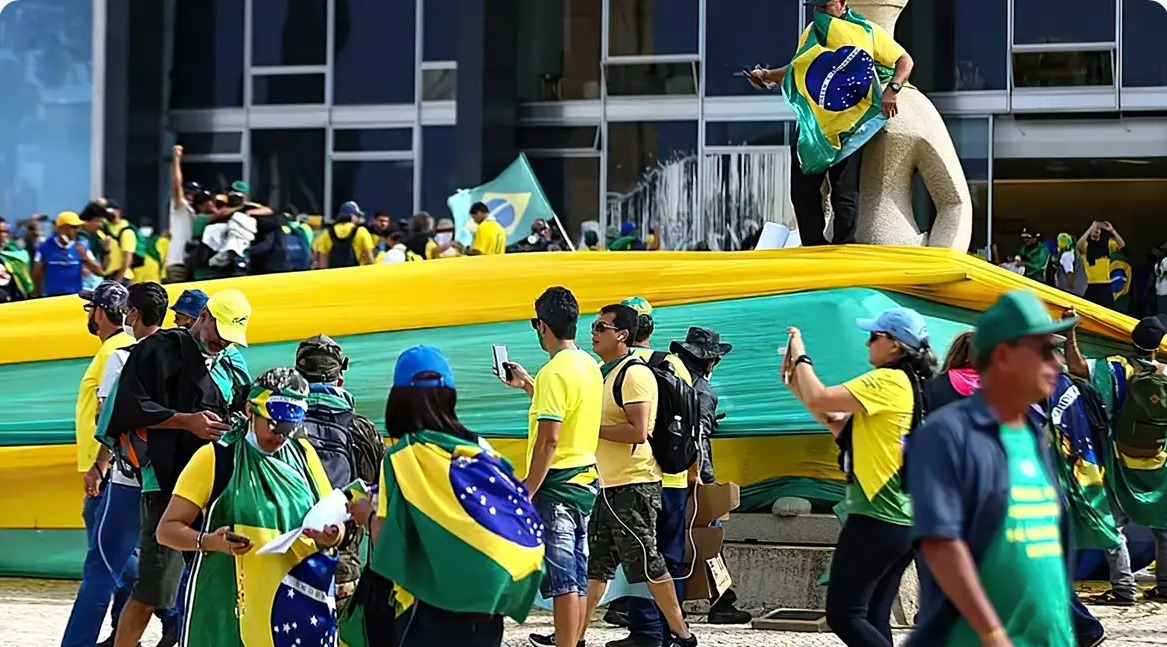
126, 327
147, 231
253, 440
444, 237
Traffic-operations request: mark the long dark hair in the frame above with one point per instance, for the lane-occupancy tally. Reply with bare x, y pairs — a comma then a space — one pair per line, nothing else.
920, 366
410, 409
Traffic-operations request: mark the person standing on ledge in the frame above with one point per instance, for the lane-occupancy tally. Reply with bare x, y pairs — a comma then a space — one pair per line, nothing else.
842, 144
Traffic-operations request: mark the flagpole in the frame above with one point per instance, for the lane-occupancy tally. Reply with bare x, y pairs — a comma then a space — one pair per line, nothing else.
563, 230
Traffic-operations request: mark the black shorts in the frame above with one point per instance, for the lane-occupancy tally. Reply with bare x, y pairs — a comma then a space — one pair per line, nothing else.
622, 530
159, 568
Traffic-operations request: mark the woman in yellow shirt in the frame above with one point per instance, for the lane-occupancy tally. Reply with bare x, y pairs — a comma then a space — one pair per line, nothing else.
1096, 246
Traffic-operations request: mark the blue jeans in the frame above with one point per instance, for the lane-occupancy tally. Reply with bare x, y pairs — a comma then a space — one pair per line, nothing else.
1086, 626
644, 616
565, 557
112, 525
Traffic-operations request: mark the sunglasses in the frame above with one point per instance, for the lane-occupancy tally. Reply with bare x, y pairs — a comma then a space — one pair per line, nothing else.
1047, 349
876, 336
535, 323
601, 326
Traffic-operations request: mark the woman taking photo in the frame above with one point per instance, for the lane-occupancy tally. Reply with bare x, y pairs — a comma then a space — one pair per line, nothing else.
463, 545
250, 487
870, 415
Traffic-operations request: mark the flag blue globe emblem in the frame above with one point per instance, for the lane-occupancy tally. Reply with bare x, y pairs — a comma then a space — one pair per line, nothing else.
838, 80
503, 211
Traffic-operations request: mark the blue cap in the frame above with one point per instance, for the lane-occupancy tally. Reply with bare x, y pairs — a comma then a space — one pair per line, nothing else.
903, 324
191, 303
627, 228
350, 209
423, 359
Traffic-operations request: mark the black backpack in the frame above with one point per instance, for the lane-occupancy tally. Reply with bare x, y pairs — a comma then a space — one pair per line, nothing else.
347, 443
676, 433
342, 254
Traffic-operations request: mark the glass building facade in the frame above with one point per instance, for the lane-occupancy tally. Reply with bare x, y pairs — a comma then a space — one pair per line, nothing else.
630, 110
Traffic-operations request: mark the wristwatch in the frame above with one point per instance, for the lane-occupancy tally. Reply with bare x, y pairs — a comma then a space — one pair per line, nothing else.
803, 359
896, 87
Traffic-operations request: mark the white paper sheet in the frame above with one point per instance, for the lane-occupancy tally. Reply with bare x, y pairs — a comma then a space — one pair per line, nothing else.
331, 510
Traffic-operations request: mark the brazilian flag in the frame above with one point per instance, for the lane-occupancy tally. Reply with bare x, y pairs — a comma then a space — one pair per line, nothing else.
455, 513
834, 85
1121, 280
19, 265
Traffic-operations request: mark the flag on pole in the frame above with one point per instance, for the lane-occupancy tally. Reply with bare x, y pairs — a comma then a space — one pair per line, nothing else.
515, 199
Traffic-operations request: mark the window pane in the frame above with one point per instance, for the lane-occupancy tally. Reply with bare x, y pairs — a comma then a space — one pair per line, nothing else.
745, 133
652, 177
208, 55
1063, 21
439, 85
572, 186
376, 186
208, 143
287, 169
373, 139
559, 49
282, 89
374, 52
288, 32
1143, 63
551, 137
643, 27
768, 37
652, 79
741, 192
439, 160
213, 176
957, 44
441, 31
46, 110
1062, 69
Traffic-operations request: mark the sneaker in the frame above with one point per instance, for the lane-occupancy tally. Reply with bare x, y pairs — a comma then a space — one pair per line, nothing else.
548, 640
1155, 594
616, 618
636, 640
1095, 641
1112, 599
727, 614
674, 641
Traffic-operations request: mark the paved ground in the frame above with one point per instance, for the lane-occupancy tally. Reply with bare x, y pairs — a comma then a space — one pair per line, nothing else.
33, 614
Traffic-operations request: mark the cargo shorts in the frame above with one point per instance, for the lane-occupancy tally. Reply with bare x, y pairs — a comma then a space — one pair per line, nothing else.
622, 531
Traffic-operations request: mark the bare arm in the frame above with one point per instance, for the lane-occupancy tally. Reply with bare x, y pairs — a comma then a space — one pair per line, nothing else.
175, 531
1119, 242
546, 440
1081, 244
903, 69
38, 278
819, 398
955, 572
633, 432
176, 176
1075, 361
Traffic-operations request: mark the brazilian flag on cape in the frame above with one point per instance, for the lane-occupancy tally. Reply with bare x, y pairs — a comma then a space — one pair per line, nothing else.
19, 266
834, 85
460, 532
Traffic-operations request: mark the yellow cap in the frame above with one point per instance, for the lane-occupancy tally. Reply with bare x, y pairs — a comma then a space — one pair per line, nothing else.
68, 219
231, 311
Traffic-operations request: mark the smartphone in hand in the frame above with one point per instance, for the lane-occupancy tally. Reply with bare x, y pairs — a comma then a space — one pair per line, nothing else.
501, 362
236, 538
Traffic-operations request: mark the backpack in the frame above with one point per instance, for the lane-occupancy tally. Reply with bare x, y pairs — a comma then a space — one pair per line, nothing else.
146, 247
347, 443
1141, 423
290, 252
675, 434
342, 254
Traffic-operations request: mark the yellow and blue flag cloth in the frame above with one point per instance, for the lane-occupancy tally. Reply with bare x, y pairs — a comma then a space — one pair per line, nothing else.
515, 199
834, 85
455, 512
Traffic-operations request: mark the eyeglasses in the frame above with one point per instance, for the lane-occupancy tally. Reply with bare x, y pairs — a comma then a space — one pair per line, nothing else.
876, 336
535, 323
601, 326
1047, 349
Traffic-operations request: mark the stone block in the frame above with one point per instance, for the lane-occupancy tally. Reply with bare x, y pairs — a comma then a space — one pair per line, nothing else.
771, 577
808, 529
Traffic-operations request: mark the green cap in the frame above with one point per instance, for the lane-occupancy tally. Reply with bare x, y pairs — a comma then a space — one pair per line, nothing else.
639, 304
241, 186
1015, 315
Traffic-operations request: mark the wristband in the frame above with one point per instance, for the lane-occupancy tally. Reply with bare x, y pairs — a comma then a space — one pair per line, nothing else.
803, 359
999, 632
199, 541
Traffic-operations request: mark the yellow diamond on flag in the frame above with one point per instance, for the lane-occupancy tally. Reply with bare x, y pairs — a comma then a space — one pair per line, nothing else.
507, 208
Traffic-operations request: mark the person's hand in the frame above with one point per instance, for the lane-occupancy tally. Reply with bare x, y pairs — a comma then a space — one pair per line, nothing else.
1107, 226
756, 77
795, 347
1001, 640
206, 425
519, 379
218, 542
327, 538
80, 247
93, 478
106, 242
890, 101
177, 151
361, 511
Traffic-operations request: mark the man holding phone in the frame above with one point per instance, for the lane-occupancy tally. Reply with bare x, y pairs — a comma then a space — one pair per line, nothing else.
566, 396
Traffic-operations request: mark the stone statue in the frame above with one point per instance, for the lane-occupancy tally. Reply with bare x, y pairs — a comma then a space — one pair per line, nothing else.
915, 140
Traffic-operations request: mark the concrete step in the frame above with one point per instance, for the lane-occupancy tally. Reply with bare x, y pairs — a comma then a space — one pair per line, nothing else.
771, 577
766, 528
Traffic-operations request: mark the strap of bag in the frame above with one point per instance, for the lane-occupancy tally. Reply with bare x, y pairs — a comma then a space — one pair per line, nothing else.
618, 385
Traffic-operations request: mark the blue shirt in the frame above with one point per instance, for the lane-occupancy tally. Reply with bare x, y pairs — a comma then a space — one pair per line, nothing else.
958, 478
62, 267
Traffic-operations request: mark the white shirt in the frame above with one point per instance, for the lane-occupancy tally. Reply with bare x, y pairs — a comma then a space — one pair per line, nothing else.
113, 369
181, 227
1161, 278
395, 255
1067, 261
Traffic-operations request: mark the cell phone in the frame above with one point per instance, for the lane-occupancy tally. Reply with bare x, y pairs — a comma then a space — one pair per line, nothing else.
236, 538
500, 362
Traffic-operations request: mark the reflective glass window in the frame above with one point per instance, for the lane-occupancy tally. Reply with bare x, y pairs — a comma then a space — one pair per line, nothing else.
652, 79
376, 186
439, 161
441, 31
644, 27
558, 49
743, 34
374, 61
208, 55
287, 169
213, 176
1144, 65
210, 143
439, 85
289, 32
572, 186
46, 62
372, 139
652, 176
1062, 69
283, 89
1063, 21
742, 191
556, 137
957, 44
745, 133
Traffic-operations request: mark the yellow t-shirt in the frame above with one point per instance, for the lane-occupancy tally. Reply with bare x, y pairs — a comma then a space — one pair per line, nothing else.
115, 258
198, 477
1099, 270
621, 463
884, 48
680, 479
877, 444
490, 237
85, 414
363, 243
569, 390
151, 270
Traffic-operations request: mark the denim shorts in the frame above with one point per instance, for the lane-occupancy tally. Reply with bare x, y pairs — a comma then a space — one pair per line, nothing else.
565, 540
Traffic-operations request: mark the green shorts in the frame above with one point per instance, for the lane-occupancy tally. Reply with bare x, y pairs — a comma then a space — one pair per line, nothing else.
159, 568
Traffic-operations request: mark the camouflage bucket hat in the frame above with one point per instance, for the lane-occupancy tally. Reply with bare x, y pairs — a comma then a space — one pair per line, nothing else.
320, 359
